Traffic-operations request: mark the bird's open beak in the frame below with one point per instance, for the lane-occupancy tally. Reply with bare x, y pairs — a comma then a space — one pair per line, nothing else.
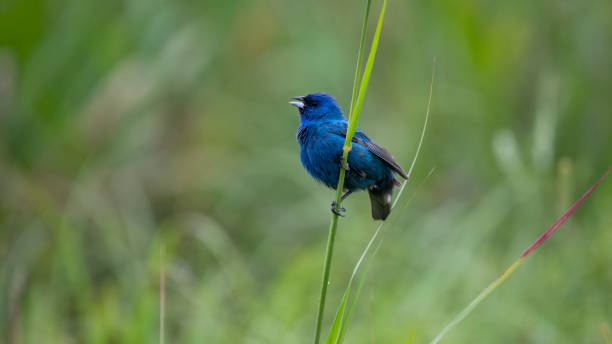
299, 103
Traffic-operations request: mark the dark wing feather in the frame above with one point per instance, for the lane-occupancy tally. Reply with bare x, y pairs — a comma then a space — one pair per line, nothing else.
382, 153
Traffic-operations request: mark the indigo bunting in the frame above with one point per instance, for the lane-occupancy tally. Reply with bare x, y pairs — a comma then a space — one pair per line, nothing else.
321, 136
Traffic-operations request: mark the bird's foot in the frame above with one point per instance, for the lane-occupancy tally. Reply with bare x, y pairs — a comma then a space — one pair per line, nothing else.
338, 212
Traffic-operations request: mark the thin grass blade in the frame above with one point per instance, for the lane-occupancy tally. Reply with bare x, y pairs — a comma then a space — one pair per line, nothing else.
365, 79
497, 282
334, 333
349, 315
364, 30
340, 315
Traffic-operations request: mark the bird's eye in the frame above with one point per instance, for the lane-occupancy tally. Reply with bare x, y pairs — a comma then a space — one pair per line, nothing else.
315, 104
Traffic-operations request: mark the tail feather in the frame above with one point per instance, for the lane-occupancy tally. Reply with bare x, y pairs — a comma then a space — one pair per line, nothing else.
381, 202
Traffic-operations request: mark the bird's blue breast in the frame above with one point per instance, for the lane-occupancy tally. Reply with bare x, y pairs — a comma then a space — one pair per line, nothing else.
321, 150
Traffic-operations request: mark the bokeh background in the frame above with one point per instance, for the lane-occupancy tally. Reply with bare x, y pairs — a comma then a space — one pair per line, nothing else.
141, 139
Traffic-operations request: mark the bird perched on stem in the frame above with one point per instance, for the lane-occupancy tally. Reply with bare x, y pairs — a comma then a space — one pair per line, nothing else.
321, 136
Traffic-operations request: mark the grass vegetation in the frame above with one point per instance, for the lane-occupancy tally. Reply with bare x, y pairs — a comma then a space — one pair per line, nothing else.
125, 125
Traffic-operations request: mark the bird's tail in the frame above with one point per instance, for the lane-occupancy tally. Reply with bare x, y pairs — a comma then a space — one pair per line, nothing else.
381, 200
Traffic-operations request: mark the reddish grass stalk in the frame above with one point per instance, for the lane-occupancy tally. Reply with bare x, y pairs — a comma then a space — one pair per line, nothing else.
498, 281
565, 216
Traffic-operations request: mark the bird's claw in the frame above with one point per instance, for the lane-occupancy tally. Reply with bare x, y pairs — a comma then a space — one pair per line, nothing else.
338, 212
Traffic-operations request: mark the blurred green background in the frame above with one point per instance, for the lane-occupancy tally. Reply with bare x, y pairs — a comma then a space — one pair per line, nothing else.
136, 132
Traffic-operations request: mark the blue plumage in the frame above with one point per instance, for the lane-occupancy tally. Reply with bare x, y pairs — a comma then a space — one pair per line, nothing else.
321, 135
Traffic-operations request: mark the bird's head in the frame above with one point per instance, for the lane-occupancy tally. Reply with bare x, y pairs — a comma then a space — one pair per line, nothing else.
317, 106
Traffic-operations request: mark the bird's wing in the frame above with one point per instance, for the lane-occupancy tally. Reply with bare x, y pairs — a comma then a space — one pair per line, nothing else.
362, 139
380, 152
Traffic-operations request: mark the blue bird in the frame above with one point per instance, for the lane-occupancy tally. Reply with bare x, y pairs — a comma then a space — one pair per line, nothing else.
321, 136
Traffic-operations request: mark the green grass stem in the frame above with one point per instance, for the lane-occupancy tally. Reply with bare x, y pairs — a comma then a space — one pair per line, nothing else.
353, 119
341, 321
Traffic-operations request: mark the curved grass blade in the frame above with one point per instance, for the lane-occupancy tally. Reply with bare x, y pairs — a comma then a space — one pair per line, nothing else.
349, 315
496, 283
341, 322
